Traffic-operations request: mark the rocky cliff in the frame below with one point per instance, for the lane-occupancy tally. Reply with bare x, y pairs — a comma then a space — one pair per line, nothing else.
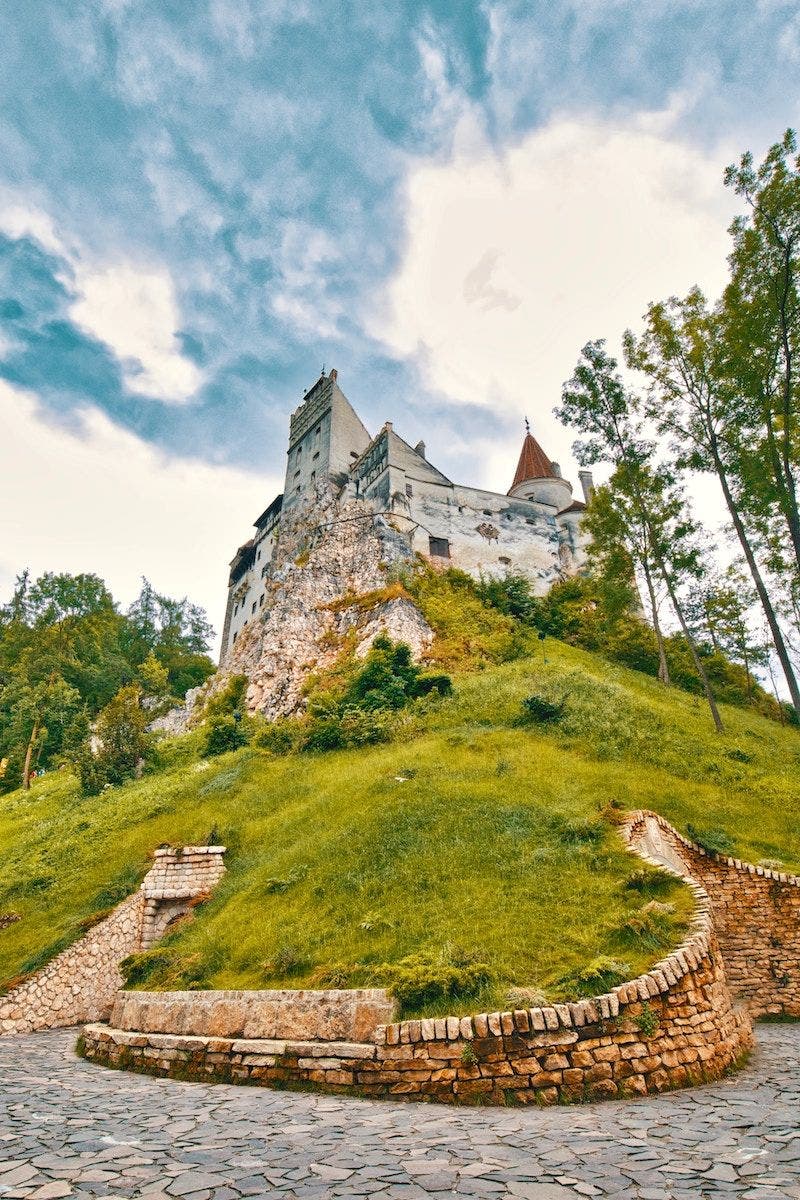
328, 555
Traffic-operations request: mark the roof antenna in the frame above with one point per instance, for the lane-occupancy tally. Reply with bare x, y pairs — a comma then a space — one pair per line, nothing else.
323, 368
527, 425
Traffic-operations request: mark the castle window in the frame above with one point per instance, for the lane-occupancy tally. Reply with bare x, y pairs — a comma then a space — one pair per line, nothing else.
313, 476
529, 521
235, 636
439, 547
505, 561
235, 609
258, 557
317, 431
315, 456
297, 474
263, 571
253, 609
409, 490
487, 512
261, 602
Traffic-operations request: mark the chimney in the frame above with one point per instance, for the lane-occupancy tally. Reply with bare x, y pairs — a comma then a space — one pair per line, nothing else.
556, 470
587, 483
420, 449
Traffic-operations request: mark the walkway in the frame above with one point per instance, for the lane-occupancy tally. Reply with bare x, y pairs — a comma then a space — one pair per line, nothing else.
70, 1129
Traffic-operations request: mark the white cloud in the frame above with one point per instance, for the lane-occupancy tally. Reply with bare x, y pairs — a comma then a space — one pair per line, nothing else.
512, 263
102, 500
20, 220
134, 311
130, 307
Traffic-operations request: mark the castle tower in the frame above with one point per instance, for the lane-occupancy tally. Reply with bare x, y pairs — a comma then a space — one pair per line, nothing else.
538, 478
325, 437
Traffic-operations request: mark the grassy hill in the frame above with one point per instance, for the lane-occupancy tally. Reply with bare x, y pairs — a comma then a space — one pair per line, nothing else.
467, 839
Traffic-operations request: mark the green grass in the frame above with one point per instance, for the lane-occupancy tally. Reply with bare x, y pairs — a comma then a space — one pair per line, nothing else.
467, 832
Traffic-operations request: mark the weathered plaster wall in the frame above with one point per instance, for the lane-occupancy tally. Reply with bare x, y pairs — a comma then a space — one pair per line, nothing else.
81, 983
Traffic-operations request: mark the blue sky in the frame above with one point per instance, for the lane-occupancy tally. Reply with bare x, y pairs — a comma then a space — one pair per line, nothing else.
200, 203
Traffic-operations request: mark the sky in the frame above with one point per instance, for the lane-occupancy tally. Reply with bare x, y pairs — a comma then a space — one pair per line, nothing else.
201, 204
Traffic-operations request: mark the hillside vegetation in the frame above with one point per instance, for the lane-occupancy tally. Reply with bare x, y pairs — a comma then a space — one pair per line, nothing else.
471, 850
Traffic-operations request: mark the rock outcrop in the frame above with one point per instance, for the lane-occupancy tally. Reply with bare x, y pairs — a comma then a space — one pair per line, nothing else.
323, 590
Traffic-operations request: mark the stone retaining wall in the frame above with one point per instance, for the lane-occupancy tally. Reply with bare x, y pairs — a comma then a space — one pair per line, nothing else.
81, 983
756, 915
674, 1025
328, 1016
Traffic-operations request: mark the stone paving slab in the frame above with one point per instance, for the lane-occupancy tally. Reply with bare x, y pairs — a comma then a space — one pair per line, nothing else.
68, 1129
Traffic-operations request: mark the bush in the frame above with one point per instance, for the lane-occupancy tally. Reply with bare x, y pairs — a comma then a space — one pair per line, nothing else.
224, 733
278, 737
442, 684
427, 978
538, 710
598, 977
712, 840
229, 699
138, 968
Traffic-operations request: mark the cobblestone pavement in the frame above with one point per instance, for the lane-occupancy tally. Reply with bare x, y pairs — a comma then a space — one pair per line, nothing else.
71, 1129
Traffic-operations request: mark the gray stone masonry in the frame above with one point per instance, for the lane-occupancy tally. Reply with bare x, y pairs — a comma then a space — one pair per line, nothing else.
80, 983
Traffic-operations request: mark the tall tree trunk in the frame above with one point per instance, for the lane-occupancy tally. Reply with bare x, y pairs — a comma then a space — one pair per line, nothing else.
663, 669
26, 770
701, 671
763, 595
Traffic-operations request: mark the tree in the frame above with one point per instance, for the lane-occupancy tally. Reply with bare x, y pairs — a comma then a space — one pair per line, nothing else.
44, 710
620, 542
761, 311
595, 402
687, 357
121, 732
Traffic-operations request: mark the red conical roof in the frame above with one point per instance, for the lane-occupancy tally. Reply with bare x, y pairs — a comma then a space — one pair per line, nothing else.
533, 463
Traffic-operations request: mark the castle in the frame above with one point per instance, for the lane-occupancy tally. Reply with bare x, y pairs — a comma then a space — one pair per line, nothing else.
534, 529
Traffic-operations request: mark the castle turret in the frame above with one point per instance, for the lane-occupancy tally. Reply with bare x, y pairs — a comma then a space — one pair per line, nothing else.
538, 478
325, 436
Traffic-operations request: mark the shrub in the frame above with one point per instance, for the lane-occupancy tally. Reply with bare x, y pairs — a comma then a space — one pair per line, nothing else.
538, 710
278, 737
650, 880
711, 839
138, 968
599, 976
651, 927
224, 733
288, 960
442, 684
229, 699
427, 978
647, 1021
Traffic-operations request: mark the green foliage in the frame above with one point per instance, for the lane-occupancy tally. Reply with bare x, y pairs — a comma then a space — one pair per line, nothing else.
224, 733
470, 630
711, 839
511, 594
139, 968
65, 653
360, 711
447, 976
229, 699
538, 710
598, 976
277, 737
394, 850
647, 1021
